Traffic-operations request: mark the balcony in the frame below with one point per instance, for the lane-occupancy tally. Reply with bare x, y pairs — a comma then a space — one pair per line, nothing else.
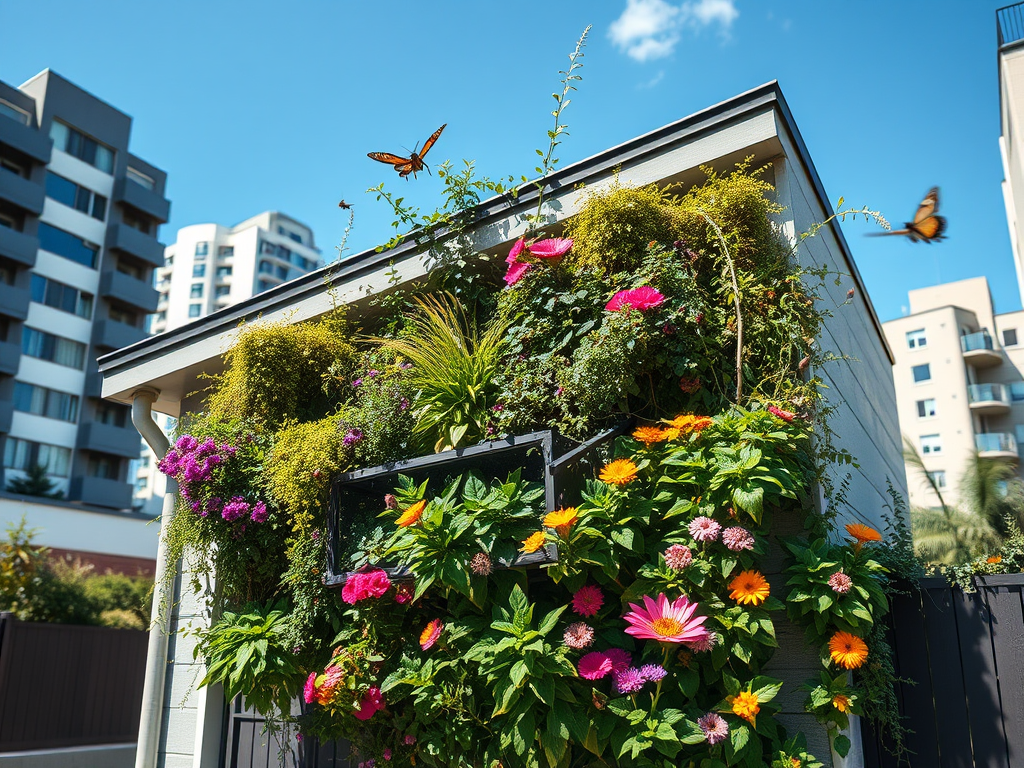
129, 290
6, 414
19, 247
101, 492
996, 445
1010, 24
988, 399
14, 301
111, 334
121, 237
979, 350
93, 384
10, 356
26, 139
107, 438
137, 196
22, 192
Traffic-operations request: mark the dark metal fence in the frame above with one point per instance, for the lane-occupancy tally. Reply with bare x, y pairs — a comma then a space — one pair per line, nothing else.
66, 686
966, 654
1010, 24
249, 743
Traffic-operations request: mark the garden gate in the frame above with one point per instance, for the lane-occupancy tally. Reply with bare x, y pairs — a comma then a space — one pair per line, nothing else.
965, 652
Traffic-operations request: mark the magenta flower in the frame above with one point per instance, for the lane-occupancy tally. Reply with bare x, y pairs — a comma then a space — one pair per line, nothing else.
629, 681
360, 586
517, 260
387, 754
678, 557
409, 740
737, 538
309, 689
515, 272
552, 248
652, 673
371, 703
620, 659
664, 621
594, 666
259, 513
640, 299
588, 600
704, 529
714, 727
780, 414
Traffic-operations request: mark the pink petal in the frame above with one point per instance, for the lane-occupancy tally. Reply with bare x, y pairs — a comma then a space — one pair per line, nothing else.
551, 248
518, 248
617, 302
516, 272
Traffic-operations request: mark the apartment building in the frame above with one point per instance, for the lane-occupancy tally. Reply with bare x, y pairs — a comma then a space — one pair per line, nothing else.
78, 245
210, 267
959, 377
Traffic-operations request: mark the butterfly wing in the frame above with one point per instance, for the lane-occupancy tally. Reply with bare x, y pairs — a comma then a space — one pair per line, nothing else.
928, 206
430, 142
387, 157
928, 229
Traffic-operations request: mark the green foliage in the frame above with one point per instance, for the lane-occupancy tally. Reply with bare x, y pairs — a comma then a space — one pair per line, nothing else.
122, 601
248, 654
1008, 558
35, 483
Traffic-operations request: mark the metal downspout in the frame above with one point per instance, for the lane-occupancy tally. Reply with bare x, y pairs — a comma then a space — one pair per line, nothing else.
160, 626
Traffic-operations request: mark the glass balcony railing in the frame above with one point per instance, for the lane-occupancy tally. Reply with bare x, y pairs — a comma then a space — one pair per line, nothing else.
975, 341
1001, 442
983, 393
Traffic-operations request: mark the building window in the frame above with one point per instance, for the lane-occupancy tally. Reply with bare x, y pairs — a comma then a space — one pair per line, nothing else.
141, 223
926, 408
60, 296
111, 414
266, 267
198, 270
141, 483
283, 253
202, 249
222, 290
67, 245
22, 454
226, 250
922, 373
223, 271
268, 248
938, 478
54, 349
67, 139
121, 315
141, 179
282, 272
41, 401
1010, 337
75, 196
194, 310
263, 285
106, 467
133, 270
197, 291
931, 444
917, 339
15, 113
1017, 391
161, 317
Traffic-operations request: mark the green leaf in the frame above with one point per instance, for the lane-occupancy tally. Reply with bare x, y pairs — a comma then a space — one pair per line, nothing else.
841, 744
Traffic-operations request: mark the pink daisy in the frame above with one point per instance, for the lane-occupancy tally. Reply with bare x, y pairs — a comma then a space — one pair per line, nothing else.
665, 622
737, 538
594, 666
641, 299
588, 600
578, 635
704, 529
620, 659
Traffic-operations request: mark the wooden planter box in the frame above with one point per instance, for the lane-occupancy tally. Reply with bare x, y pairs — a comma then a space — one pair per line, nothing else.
544, 457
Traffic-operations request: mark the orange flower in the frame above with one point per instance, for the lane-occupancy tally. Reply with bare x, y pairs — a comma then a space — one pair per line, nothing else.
841, 702
430, 634
533, 542
744, 704
619, 472
847, 650
649, 435
561, 520
412, 514
863, 533
994, 560
688, 423
671, 433
749, 588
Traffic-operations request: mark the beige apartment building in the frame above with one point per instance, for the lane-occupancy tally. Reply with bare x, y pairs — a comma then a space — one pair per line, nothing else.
959, 382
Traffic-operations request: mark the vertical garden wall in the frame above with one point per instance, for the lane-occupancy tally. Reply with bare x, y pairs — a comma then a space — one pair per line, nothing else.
749, 380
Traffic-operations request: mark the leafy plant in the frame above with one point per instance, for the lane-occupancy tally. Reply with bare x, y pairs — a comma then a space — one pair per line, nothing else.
35, 483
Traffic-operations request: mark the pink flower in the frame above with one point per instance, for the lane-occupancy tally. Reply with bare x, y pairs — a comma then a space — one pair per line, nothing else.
352, 592
714, 727
403, 594
309, 690
387, 754
781, 414
704, 529
518, 266
578, 635
704, 644
409, 740
665, 622
481, 564
430, 634
619, 658
640, 299
588, 600
371, 703
594, 666
360, 586
552, 248
840, 583
678, 557
737, 538
516, 271
377, 583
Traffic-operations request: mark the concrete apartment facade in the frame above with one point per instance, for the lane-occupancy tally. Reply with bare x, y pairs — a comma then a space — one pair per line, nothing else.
210, 267
1010, 25
79, 216
959, 382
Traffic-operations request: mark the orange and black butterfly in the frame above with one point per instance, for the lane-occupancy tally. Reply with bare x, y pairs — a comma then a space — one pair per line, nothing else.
411, 164
344, 206
927, 226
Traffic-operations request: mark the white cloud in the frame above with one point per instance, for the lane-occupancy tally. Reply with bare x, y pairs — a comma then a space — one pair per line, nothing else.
651, 29
653, 81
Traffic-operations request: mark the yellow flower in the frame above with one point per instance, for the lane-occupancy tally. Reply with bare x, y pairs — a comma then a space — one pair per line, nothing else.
841, 702
649, 435
562, 519
671, 433
847, 650
619, 472
534, 542
744, 704
412, 514
688, 423
749, 588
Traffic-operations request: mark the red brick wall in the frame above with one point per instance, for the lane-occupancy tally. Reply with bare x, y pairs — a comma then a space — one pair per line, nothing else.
129, 566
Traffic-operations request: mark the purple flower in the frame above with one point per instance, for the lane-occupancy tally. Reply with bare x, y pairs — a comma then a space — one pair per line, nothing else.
704, 529
235, 509
629, 680
714, 727
737, 538
404, 405
186, 443
409, 740
259, 513
652, 673
371, 374
357, 383
498, 408
405, 366
352, 437
678, 557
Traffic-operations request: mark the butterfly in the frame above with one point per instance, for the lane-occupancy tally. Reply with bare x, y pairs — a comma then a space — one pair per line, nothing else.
927, 225
411, 164
344, 206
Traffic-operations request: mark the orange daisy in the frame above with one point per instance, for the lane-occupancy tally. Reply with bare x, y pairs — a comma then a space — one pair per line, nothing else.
671, 433
688, 423
749, 588
649, 435
841, 702
619, 472
533, 542
412, 514
863, 533
745, 705
847, 650
561, 520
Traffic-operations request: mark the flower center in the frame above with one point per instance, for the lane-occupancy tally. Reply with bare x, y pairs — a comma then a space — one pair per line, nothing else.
666, 627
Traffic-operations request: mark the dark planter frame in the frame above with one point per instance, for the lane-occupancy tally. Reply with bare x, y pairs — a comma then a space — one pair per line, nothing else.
559, 467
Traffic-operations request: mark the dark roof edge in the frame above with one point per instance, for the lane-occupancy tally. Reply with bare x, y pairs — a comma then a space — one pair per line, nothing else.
312, 283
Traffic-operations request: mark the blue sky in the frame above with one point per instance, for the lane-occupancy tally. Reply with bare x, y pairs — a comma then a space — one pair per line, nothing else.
264, 105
